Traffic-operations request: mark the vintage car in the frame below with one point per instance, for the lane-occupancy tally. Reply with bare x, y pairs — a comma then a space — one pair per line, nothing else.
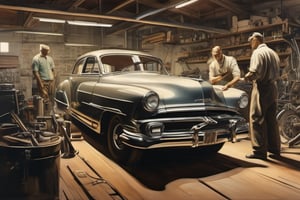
129, 97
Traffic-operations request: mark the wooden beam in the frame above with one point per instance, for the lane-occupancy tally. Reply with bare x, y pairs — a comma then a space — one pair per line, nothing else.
122, 5
30, 21
77, 3
235, 8
99, 16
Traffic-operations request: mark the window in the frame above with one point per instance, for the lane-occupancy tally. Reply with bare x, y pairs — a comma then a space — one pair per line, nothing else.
91, 65
78, 67
4, 47
117, 62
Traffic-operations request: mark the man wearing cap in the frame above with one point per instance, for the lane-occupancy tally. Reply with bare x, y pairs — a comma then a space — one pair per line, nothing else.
43, 71
223, 70
263, 72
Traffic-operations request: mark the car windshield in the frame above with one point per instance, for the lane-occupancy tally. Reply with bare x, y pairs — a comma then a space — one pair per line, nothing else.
131, 63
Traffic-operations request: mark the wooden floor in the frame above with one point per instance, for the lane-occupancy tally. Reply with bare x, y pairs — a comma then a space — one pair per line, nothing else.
175, 175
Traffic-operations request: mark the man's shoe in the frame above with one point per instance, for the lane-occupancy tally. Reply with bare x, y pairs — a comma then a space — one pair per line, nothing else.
256, 156
275, 156
277, 153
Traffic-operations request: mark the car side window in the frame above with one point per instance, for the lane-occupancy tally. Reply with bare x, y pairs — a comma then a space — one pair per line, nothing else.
91, 65
78, 67
115, 63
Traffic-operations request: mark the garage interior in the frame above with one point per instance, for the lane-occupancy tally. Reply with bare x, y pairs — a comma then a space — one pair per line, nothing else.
182, 37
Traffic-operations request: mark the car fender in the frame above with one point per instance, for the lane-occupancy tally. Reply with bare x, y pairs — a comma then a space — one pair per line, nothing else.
109, 98
62, 95
231, 96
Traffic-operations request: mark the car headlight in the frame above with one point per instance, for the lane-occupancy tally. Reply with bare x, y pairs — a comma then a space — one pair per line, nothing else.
151, 101
243, 102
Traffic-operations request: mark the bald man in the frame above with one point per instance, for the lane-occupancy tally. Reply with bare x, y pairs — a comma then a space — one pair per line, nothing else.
223, 70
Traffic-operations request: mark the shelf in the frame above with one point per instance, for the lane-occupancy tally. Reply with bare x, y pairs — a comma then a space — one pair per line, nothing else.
278, 40
283, 23
239, 59
196, 52
236, 44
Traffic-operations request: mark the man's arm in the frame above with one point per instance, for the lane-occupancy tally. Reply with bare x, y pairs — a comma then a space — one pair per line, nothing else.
218, 78
231, 83
40, 84
38, 79
236, 73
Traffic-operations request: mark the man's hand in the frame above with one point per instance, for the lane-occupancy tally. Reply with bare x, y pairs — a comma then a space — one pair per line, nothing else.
45, 94
225, 87
249, 76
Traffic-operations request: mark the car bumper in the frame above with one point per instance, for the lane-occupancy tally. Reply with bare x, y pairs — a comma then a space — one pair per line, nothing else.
178, 132
191, 139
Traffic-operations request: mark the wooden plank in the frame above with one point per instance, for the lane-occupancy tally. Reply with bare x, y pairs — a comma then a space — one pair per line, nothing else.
92, 184
130, 188
69, 188
249, 179
79, 181
249, 184
111, 172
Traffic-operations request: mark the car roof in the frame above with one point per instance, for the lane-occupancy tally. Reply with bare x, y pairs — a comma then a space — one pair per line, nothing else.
113, 51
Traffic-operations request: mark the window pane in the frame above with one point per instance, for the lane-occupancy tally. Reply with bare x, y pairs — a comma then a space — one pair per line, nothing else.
4, 47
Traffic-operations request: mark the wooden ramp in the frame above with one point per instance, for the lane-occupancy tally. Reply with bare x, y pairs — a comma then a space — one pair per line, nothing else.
91, 175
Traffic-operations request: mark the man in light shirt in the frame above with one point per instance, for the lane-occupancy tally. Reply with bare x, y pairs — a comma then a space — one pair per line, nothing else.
263, 72
223, 70
43, 70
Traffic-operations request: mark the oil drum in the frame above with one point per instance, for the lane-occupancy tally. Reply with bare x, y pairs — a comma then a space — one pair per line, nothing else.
30, 172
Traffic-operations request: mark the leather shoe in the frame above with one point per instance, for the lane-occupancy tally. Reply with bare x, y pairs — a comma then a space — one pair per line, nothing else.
277, 153
256, 156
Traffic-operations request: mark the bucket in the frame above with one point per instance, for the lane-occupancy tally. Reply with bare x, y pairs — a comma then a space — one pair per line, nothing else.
30, 172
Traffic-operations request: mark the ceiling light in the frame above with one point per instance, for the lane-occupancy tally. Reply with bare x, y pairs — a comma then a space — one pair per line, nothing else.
85, 23
79, 45
78, 23
180, 5
41, 19
40, 33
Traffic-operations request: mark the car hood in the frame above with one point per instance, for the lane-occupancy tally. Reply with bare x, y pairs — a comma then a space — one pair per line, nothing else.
172, 90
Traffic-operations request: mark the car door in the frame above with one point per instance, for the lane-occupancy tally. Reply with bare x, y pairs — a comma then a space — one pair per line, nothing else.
85, 76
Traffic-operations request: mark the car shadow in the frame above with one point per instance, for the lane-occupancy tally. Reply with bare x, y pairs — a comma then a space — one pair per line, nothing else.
157, 168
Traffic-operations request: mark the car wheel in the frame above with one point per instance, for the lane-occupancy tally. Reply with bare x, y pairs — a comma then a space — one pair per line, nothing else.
118, 151
286, 119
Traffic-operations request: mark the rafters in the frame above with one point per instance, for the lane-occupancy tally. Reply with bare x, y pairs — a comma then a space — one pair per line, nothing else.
98, 16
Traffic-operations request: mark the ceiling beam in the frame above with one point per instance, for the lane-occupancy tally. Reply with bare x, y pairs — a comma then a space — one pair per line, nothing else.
229, 5
120, 6
77, 3
98, 16
29, 22
158, 9
170, 7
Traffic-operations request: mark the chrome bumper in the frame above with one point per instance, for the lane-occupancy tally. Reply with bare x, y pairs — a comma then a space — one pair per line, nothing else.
191, 139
